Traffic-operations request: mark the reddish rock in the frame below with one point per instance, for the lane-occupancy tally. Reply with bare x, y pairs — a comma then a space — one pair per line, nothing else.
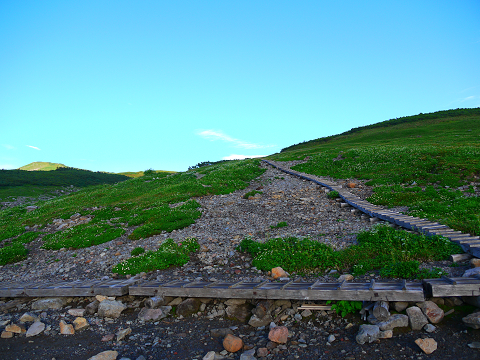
66, 329
278, 272
433, 313
351, 185
14, 328
6, 335
232, 343
278, 334
428, 345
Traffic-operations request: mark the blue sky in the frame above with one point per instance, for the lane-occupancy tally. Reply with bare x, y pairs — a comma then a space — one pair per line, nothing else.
131, 85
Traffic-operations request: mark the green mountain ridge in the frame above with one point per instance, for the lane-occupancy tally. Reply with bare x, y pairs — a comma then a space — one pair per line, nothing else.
41, 166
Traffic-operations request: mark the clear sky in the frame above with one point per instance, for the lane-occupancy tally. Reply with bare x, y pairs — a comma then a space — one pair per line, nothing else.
131, 85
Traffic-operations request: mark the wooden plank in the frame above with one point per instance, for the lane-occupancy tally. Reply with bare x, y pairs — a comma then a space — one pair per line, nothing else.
460, 257
459, 286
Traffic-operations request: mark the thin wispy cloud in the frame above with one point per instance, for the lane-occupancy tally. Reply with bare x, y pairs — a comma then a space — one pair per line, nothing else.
8, 147
33, 147
468, 98
214, 135
241, 157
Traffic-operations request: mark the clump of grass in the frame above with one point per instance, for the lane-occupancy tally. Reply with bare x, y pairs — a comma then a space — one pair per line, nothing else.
12, 253
291, 254
251, 193
333, 194
396, 253
169, 254
137, 251
345, 307
279, 225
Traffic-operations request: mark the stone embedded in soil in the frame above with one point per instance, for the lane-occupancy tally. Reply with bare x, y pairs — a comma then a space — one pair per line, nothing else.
209, 356
147, 314
105, 355
399, 306
108, 337
370, 333
278, 334
36, 328
232, 343
122, 333
6, 334
76, 312
416, 318
27, 318
428, 345
14, 328
80, 323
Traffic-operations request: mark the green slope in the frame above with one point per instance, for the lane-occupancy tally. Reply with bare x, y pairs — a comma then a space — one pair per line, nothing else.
428, 162
41, 166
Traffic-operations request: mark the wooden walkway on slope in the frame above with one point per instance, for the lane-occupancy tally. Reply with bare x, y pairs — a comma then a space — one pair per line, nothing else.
470, 244
400, 290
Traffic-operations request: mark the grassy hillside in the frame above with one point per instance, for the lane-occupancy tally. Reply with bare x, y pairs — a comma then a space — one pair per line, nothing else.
62, 176
142, 202
428, 162
41, 166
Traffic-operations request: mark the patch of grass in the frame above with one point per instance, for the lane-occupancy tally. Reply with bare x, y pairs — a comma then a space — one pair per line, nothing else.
12, 253
82, 236
333, 194
291, 254
137, 251
143, 201
169, 254
252, 193
396, 253
345, 307
279, 225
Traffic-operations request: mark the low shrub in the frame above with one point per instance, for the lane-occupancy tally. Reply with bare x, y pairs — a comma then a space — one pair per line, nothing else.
279, 225
333, 194
252, 193
344, 307
168, 254
12, 254
137, 251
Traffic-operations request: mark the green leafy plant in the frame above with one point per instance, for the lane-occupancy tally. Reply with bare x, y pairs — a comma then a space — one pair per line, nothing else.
137, 251
345, 307
279, 225
12, 254
333, 194
251, 193
168, 254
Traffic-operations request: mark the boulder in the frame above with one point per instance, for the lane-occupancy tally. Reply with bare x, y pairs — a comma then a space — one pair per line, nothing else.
110, 308
66, 329
105, 355
428, 345
240, 312
188, 307
416, 318
472, 272
49, 303
472, 320
36, 328
370, 333
399, 306
278, 273
255, 321
433, 313
232, 343
154, 314
394, 321
278, 334
92, 308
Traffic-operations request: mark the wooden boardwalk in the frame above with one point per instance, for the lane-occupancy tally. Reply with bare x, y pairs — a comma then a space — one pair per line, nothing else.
470, 244
360, 291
